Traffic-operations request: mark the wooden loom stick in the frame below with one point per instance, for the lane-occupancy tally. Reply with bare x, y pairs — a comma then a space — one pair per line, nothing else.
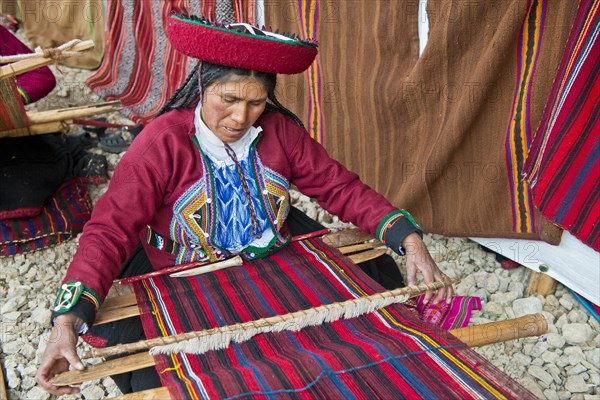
20, 67
187, 266
501, 331
472, 336
334, 311
148, 394
227, 263
62, 114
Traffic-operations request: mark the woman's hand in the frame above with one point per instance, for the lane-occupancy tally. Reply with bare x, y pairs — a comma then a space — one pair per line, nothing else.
60, 353
418, 258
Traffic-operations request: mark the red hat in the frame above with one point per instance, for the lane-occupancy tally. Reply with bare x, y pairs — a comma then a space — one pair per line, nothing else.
240, 45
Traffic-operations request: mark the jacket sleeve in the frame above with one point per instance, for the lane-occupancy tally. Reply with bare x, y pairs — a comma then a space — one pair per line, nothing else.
32, 85
342, 193
135, 192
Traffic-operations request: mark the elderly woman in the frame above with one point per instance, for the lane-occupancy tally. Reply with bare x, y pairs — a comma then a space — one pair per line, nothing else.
210, 178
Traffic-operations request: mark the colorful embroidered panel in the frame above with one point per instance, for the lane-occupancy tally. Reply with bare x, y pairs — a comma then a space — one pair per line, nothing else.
12, 111
60, 220
564, 162
518, 136
387, 354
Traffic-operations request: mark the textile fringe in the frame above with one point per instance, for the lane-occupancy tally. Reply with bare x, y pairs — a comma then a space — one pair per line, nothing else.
220, 338
199, 342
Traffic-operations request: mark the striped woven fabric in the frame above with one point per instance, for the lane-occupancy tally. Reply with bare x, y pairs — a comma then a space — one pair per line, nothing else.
60, 220
518, 136
12, 111
140, 68
387, 354
564, 158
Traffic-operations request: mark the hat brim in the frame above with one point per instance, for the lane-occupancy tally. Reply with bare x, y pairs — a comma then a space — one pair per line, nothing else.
220, 45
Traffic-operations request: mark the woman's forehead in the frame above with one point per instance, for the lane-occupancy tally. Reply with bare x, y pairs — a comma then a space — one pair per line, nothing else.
241, 87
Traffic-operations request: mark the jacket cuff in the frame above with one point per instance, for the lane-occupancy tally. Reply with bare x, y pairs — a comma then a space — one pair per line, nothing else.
394, 227
77, 299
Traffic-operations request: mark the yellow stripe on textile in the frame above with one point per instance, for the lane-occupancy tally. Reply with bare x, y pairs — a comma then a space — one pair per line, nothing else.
12, 111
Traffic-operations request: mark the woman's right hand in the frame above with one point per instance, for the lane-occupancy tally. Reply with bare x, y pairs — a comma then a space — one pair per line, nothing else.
60, 353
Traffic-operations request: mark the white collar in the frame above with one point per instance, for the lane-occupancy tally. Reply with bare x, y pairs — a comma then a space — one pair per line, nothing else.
213, 146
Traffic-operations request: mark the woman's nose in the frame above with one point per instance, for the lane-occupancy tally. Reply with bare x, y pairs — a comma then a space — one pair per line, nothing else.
240, 113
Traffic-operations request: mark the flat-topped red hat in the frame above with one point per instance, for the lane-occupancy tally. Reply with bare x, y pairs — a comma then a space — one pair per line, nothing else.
240, 45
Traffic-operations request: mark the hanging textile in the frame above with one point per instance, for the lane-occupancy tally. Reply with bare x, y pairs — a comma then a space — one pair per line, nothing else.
385, 354
140, 68
430, 133
563, 166
51, 23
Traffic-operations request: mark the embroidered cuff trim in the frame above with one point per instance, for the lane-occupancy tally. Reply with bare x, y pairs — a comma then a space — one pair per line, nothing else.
69, 294
394, 227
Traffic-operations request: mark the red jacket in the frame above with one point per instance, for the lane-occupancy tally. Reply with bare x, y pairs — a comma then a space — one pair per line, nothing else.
163, 171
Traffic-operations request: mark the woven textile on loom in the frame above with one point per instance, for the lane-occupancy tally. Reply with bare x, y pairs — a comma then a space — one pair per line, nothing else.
12, 111
563, 167
140, 68
387, 354
61, 219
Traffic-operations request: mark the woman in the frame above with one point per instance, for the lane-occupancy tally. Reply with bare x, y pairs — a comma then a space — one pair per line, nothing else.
209, 178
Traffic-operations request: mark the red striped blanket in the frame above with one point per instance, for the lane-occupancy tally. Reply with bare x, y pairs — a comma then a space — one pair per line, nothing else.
564, 164
386, 354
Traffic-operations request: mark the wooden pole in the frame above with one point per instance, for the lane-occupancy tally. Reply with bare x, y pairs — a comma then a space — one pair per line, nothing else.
501, 331
20, 67
161, 393
541, 284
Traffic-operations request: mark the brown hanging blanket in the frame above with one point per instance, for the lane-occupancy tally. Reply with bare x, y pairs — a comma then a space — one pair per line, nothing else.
444, 135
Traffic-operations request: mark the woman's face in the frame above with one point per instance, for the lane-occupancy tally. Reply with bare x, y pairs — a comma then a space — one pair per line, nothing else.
231, 107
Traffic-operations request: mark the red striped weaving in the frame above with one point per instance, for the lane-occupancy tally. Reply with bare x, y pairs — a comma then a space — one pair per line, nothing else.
60, 219
388, 354
563, 167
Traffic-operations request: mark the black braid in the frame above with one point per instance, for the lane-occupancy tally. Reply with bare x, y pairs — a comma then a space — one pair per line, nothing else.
186, 94
277, 106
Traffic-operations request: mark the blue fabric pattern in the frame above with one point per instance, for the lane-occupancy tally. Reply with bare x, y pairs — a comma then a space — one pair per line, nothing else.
233, 229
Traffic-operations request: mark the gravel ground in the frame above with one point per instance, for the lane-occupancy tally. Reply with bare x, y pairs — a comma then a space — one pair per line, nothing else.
562, 364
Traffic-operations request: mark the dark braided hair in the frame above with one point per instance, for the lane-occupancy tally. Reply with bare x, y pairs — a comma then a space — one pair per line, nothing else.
188, 94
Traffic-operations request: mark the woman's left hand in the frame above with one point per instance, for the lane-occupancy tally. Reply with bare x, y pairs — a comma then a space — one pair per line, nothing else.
419, 259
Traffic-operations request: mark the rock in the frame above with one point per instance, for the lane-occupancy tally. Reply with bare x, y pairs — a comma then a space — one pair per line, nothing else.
566, 303
27, 351
13, 347
533, 387
539, 348
552, 301
551, 394
575, 354
28, 383
13, 380
521, 360
491, 283
576, 370
13, 316
517, 287
576, 384
505, 299
562, 320
555, 340
37, 393
540, 374
577, 333
526, 306
593, 357
550, 357
13, 304
577, 316
93, 392
41, 316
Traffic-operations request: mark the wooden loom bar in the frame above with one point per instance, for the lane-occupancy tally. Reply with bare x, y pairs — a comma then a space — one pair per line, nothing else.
149, 394
62, 114
20, 67
472, 336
